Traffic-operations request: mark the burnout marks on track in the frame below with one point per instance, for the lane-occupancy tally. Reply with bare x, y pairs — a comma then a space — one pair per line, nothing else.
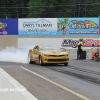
84, 74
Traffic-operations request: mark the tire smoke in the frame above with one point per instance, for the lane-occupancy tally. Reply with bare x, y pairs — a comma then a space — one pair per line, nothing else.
12, 54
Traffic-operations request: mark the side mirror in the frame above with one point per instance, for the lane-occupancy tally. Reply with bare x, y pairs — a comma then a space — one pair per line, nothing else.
30, 50
63, 50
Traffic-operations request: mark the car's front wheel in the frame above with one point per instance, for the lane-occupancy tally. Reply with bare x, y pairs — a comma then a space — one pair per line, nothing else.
65, 64
40, 60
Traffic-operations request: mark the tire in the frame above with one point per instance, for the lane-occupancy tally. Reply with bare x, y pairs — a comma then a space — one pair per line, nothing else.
40, 61
66, 64
29, 59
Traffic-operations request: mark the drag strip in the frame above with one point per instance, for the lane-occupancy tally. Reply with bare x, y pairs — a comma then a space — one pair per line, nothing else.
83, 74
37, 86
87, 71
65, 88
56, 82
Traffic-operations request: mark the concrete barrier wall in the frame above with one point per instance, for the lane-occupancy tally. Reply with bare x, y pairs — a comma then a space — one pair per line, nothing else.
12, 40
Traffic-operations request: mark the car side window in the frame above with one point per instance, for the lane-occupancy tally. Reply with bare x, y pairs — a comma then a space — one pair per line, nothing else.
36, 48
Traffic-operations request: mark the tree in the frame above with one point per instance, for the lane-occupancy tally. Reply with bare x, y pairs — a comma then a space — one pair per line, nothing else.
13, 8
49, 8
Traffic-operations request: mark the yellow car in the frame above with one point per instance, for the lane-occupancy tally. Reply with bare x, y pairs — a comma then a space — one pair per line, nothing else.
44, 54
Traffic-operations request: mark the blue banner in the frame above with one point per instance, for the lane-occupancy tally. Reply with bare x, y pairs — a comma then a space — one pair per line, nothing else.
8, 26
78, 26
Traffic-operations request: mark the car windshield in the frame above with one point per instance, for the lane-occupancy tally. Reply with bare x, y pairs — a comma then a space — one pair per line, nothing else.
44, 48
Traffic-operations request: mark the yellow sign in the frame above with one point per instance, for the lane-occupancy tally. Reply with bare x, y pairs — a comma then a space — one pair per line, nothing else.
2, 25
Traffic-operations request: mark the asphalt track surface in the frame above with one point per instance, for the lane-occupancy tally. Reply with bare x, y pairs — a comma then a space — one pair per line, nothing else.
80, 76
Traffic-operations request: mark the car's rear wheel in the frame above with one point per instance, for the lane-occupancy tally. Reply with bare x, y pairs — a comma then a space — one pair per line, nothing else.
65, 64
40, 60
29, 59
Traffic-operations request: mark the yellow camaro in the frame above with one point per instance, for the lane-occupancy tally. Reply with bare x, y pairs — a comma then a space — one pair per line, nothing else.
43, 54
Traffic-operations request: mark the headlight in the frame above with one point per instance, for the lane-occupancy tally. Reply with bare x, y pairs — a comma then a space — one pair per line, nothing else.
46, 55
66, 55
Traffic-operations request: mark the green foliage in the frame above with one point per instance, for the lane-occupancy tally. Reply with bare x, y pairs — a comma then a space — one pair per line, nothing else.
49, 8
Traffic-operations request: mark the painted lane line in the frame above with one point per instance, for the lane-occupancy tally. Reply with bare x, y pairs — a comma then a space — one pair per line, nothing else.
16, 85
65, 88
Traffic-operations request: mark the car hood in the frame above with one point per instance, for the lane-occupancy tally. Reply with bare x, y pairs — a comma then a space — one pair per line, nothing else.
52, 52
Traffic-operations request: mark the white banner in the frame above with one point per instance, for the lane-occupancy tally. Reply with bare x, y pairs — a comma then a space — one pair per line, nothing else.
37, 26
67, 43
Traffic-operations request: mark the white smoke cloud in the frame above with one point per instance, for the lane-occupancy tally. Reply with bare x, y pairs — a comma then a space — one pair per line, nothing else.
12, 54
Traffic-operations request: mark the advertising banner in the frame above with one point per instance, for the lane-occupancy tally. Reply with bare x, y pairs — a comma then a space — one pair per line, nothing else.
99, 25
78, 26
68, 43
50, 26
37, 26
87, 43
8, 26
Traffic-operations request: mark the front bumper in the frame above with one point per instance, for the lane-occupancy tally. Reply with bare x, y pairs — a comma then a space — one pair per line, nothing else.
55, 59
